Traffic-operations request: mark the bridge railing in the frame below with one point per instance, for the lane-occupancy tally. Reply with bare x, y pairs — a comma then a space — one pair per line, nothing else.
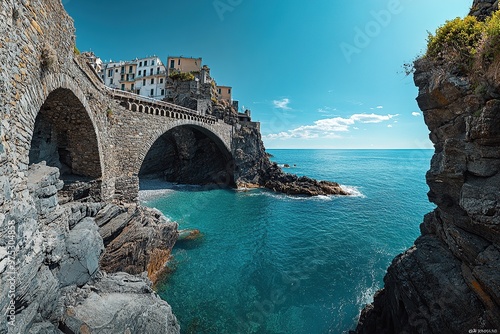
117, 93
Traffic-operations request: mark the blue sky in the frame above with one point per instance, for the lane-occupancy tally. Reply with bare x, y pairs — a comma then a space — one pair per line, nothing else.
319, 74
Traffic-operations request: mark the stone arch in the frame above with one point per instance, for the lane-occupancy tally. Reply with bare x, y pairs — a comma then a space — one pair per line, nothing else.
141, 108
206, 159
64, 137
134, 107
58, 96
157, 112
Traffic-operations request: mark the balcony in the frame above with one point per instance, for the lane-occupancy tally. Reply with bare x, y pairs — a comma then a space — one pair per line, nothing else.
128, 78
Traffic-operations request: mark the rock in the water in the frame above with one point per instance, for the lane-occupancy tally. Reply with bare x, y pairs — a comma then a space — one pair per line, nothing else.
136, 241
254, 169
189, 234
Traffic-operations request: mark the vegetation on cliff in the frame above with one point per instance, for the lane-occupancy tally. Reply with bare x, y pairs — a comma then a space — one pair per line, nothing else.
181, 76
466, 41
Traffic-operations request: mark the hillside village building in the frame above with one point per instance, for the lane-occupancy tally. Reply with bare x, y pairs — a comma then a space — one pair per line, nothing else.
183, 81
145, 76
183, 64
224, 93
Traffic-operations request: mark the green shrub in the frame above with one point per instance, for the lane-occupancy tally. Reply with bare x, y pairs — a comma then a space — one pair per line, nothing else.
491, 36
182, 76
75, 50
457, 39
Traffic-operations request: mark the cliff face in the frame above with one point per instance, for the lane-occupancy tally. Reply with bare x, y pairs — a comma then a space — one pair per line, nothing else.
254, 169
51, 281
449, 281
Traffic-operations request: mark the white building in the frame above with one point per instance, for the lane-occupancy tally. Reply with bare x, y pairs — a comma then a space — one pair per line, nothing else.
151, 77
145, 76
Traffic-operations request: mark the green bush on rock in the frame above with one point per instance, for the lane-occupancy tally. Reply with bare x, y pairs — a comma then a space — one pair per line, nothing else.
456, 40
469, 46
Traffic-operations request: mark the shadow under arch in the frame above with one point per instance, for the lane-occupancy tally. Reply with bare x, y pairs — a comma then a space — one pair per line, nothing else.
64, 137
189, 154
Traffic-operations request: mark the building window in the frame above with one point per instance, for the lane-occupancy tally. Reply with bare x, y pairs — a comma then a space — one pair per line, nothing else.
140, 64
145, 63
179, 62
163, 92
123, 86
123, 69
140, 72
116, 71
153, 81
122, 77
219, 91
144, 82
110, 73
161, 80
132, 87
151, 72
172, 63
229, 91
130, 69
111, 81
138, 92
152, 92
152, 63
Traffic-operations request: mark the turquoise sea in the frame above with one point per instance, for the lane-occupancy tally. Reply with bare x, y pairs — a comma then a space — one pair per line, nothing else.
270, 263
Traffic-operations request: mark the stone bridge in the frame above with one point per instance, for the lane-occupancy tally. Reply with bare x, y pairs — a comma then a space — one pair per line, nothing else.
56, 109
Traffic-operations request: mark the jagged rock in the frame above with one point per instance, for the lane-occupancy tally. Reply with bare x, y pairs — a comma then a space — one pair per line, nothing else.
483, 8
449, 281
60, 250
109, 212
43, 184
117, 303
84, 248
44, 328
136, 241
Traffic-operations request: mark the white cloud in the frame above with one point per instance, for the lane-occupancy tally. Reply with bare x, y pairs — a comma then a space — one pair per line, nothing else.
282, 104
330, 127
380, 107
416, 114
389, 126
326, 110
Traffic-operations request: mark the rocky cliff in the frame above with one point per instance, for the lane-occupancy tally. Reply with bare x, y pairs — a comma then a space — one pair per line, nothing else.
449, 281
52, 282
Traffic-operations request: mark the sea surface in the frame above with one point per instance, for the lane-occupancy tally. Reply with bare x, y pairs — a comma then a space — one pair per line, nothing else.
271, 263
